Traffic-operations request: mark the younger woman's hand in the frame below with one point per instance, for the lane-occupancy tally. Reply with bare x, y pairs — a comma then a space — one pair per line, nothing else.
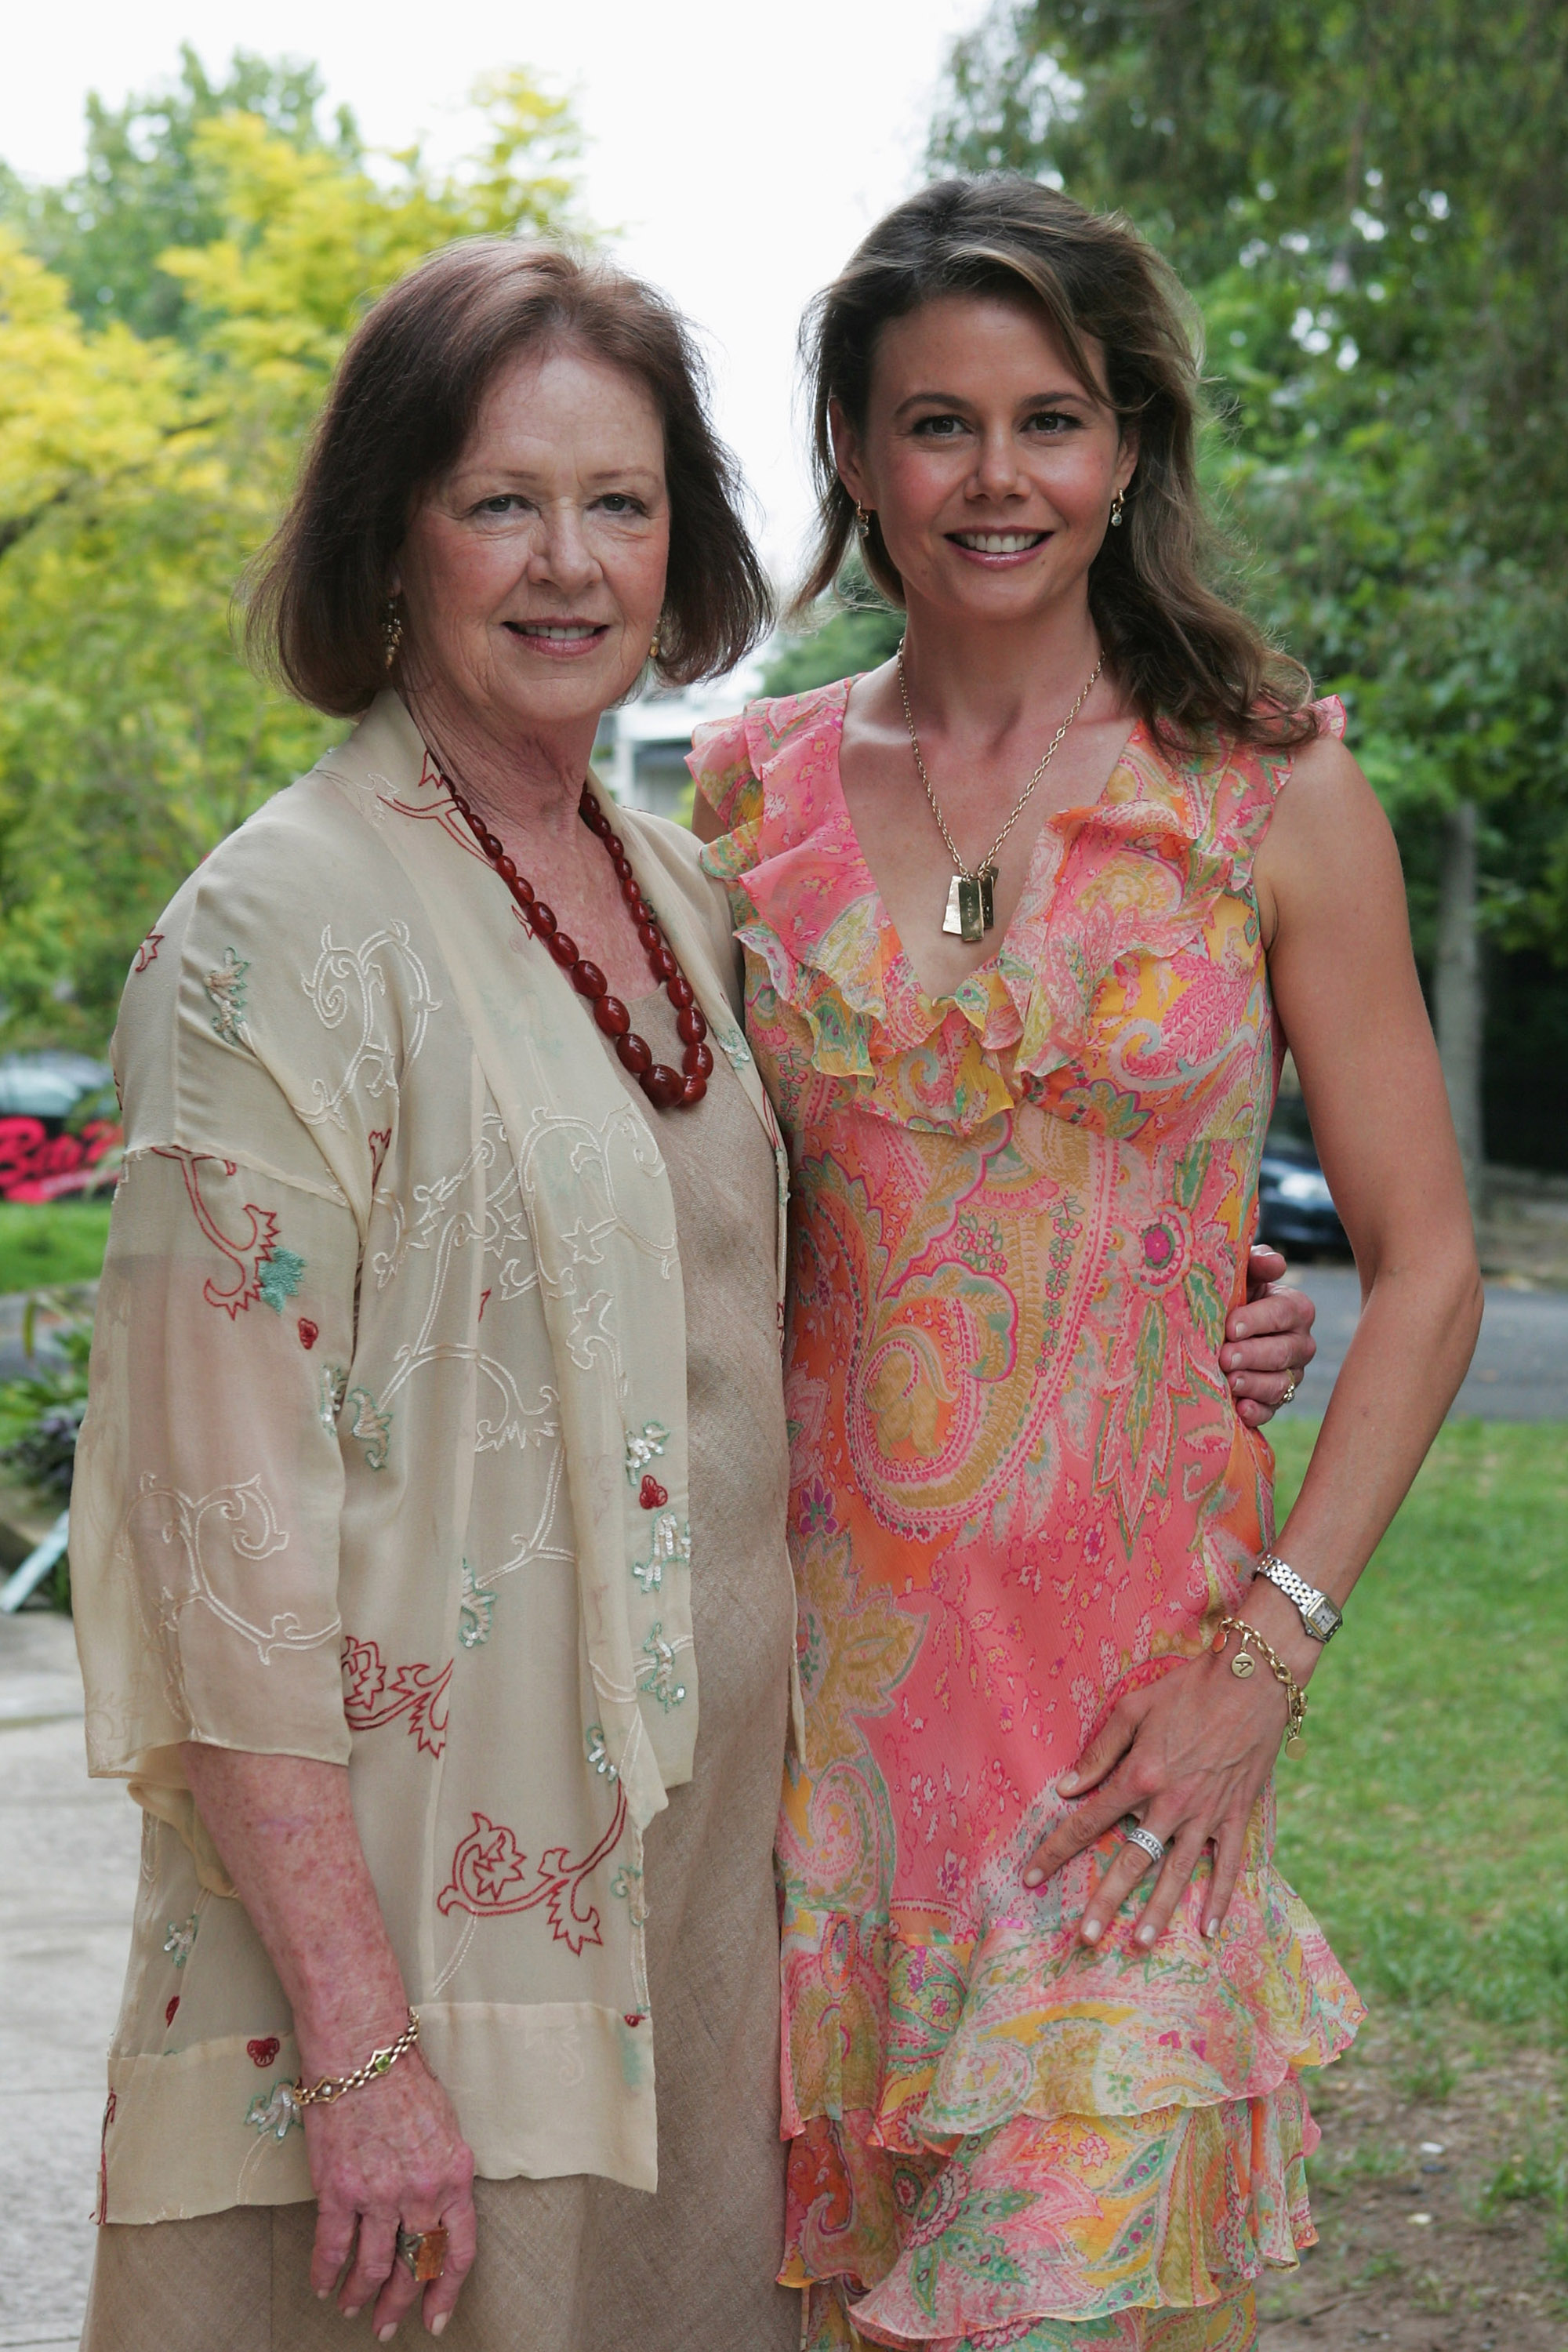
385, 2156
1188, 1755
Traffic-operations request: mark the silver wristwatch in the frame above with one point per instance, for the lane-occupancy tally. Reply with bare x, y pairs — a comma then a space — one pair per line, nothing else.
1319, 1615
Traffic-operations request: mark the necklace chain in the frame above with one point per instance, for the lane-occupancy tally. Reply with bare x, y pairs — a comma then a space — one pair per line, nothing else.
972, 874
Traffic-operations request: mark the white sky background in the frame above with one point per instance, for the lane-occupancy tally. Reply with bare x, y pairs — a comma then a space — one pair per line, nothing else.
742, 148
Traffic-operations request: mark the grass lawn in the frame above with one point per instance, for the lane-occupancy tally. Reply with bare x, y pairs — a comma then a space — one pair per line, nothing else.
1428, 1825
45, 1245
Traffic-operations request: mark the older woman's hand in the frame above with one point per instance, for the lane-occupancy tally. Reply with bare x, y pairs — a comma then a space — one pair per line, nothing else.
385, 2156
388, 2154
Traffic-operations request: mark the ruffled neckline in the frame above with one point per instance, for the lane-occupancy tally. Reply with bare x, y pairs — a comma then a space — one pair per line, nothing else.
808, 907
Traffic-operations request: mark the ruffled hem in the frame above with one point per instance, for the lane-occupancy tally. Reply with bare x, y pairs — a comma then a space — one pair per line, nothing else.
1227, 2327
1082, 2219
1143, 870
935, 2040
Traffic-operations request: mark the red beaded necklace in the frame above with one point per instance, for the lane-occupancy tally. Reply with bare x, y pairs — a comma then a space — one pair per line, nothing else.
667, 1089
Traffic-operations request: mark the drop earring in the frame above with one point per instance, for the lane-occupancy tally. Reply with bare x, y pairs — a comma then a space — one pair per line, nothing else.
391, 632
863, 519
1117, 508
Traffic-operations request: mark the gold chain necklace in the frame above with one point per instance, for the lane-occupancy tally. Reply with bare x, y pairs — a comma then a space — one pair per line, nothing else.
970, 894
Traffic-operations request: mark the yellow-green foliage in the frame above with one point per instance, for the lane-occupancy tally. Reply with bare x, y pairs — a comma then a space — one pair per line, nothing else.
137, 478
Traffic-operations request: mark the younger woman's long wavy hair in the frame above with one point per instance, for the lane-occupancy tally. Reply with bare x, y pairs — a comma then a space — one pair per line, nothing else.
1186, 659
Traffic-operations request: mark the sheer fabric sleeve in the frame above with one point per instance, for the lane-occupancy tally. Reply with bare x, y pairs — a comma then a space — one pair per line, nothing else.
210, 1484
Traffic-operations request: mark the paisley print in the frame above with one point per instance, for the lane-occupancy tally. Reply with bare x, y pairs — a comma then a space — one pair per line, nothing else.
1019, 1488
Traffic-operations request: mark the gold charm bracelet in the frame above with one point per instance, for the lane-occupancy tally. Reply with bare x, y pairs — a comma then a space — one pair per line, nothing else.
380, 2061
1244, 1663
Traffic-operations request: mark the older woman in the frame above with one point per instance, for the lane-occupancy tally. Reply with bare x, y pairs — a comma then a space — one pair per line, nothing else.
439, 1337
435, 1468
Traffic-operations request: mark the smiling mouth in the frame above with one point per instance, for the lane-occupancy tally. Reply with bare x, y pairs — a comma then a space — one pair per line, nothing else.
998, 543
557, 633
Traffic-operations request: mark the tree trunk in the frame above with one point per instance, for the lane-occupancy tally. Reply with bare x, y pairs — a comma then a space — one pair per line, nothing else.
1460, 1003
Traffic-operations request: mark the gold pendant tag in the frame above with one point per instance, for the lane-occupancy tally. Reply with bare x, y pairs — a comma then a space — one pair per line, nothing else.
971, 905
1295, 1747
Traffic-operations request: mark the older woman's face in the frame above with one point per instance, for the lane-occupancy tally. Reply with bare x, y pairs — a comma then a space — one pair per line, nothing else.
532, 574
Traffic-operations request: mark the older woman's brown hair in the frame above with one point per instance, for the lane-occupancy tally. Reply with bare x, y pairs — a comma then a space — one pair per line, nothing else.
404, 401
1186, 659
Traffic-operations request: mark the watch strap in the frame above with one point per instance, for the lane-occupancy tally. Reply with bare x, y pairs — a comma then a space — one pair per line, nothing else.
1318, 1612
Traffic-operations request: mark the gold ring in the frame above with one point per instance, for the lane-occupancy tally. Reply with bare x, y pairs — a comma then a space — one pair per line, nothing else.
1290, 1386
424, 2252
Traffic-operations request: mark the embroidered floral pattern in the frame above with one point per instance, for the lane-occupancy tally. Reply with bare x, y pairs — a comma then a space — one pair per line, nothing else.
491, 1877
148, 951
475, 1611
275, 2111
227, 988
189, 1533
181, 1935
333, 1389
262, 1267
598, 1754
371, 1426
671, 1541
417, 1692
655, 1670
643, 1446
279, 1277
1018, 1487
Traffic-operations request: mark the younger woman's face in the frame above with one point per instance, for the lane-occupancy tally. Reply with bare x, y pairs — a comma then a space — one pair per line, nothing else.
989, 462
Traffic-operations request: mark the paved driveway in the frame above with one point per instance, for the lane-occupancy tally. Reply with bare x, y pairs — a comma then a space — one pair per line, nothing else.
1520, 1367
71, 1846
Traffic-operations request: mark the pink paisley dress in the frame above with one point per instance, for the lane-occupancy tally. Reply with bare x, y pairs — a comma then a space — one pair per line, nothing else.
1018, 1488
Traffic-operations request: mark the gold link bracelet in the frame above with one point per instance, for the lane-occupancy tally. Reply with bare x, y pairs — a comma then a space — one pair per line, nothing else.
1241, 1665
380, 2061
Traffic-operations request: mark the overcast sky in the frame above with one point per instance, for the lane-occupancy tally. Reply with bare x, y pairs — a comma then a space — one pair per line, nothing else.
743, 149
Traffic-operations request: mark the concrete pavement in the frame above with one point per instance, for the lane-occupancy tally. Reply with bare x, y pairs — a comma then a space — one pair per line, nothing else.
71, 1848
1520, 1367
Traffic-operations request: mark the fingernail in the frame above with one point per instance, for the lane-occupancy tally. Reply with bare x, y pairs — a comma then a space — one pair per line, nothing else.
385, 2335
353, 2311
439, 2322
1091, 1931
1211, 1927
1032, 1877
1146, 1935
1068, 1783
322, 2292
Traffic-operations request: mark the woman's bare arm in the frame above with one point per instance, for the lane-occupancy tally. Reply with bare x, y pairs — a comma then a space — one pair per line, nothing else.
390, 2152
1191, 1753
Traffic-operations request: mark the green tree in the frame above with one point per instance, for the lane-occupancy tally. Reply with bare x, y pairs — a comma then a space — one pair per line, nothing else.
143, 188
139, 472
1369, 204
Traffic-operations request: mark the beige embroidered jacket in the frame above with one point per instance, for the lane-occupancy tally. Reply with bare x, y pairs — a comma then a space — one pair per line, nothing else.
389, 1368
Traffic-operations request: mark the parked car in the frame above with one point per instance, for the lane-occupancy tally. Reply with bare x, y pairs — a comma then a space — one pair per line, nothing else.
1295, 1207
60, 1125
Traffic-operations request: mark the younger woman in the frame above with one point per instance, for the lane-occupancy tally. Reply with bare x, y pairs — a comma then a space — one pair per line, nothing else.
1029, 915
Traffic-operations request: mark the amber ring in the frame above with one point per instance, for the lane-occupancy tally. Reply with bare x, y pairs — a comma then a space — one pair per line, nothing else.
424, 2252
